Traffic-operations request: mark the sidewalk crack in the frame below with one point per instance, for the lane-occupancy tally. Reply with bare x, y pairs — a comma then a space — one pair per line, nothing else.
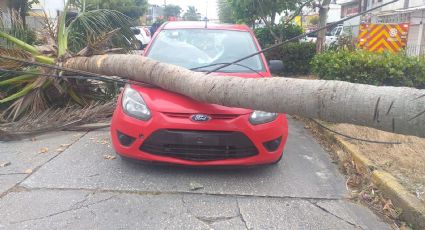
336, 216
241, 215
72, 208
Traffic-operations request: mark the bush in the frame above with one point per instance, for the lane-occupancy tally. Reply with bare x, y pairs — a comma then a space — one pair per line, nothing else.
296, 57
365, 67
266, 39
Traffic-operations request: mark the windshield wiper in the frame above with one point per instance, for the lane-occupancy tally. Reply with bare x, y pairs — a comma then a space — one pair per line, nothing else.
225, 63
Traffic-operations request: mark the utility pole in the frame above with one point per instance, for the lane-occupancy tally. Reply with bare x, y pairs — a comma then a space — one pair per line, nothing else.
206, 11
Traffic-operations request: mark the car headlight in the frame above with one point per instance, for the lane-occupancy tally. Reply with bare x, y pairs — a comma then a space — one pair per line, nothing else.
134, 105
261, 117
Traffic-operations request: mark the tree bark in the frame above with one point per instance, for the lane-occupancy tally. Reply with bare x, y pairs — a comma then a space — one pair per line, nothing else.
323, 16
394, 109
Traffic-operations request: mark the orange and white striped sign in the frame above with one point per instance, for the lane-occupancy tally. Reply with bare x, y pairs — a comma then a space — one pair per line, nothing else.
383, 37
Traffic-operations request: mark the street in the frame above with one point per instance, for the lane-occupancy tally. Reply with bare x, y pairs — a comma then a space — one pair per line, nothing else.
70, 180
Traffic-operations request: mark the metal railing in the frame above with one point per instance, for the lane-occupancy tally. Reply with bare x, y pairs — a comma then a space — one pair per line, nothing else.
415, 50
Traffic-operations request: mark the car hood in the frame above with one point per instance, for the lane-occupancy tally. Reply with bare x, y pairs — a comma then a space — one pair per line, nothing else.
169, 102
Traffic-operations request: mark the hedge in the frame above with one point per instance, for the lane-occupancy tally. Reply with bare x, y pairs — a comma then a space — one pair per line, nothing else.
296, 57
266, 39
365, 67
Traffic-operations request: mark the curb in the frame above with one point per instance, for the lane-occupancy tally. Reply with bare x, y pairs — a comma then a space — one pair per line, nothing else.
413, 211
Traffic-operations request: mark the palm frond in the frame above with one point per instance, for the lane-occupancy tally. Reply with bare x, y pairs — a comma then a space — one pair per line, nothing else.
18, 42
62, 32
90, 25
19, 94
17, 80
55, 120
98, 44
15, 53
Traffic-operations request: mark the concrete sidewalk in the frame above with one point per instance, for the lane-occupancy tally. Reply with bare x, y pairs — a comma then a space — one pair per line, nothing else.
75, 187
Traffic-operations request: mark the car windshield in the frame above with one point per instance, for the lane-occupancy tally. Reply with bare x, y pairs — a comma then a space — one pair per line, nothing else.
192, 48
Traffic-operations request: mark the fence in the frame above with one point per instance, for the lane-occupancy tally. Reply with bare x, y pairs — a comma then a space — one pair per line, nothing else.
415, 50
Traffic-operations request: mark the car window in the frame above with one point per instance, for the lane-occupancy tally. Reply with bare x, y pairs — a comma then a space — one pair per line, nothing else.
313, 35
335, 31
192, 48
135, 31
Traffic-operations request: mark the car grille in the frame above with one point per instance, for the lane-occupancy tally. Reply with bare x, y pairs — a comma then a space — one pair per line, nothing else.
213, 116
199, 145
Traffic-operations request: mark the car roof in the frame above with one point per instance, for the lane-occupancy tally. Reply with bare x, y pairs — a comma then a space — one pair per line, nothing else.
201, 25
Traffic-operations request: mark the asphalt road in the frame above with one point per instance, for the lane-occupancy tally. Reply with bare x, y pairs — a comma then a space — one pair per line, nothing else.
73, 186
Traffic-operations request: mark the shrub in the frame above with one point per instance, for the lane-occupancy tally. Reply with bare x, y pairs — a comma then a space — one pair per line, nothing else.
365, 67
296, 57
266, 39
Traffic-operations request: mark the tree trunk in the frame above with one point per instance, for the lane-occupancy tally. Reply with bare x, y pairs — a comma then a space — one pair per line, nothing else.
323, 16
395, 109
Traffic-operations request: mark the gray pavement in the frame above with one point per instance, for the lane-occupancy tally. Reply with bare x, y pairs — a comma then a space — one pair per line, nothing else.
73, 186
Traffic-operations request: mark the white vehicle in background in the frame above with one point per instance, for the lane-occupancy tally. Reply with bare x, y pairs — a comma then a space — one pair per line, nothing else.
143, 35
331, 36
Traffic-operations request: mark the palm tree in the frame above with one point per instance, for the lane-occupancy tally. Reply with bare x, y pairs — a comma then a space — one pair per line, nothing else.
394, 109
27, 89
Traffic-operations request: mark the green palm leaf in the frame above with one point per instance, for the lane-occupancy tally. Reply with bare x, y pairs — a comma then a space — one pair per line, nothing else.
17, 80
19, 94
88, 26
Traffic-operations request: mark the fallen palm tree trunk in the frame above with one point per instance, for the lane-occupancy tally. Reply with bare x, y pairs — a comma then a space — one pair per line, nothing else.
394, 109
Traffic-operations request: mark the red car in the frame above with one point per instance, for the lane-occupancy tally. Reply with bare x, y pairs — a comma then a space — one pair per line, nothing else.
155, 125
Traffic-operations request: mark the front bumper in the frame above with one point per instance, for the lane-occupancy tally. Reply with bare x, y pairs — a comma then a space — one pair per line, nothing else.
178, 140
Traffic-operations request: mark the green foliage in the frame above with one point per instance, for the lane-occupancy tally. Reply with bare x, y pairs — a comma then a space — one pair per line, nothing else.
132, 8
93, 25
287, 31
171, 10
191, 14
244, 11
90, 32
225, 13
21, 7
17, 28
248, 11
365, 67
26, 35
296, 57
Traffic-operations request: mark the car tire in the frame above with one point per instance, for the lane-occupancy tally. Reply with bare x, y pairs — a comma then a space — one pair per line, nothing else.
141, 46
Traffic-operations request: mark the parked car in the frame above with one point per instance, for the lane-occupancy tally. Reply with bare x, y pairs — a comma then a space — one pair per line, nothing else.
331, 36
143, 36
310, 38
152, 124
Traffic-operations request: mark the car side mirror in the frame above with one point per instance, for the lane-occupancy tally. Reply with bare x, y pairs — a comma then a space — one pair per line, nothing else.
276, 66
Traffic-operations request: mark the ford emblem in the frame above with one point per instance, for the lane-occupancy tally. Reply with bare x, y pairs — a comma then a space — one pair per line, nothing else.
200, 117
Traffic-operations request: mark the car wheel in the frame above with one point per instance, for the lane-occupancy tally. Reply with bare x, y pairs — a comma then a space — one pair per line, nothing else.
141, 46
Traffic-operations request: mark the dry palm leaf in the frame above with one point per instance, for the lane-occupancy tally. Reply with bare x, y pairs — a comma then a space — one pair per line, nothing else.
56, 120
16, 53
